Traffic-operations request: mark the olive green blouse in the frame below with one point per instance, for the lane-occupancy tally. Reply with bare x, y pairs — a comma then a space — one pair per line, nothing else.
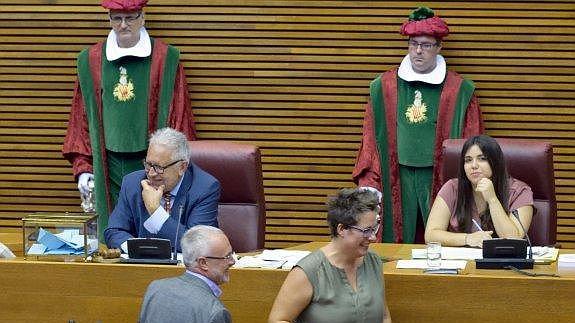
333, 298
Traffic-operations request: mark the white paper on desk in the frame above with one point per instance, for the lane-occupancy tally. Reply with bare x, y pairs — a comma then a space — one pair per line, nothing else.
283, 254
5, 252
257, 262
37, 249
285, 259
422, 264
451, 253
566, 260
544, 254
540, 254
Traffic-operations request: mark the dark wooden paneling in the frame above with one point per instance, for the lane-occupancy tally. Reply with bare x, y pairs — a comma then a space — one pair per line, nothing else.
290, 77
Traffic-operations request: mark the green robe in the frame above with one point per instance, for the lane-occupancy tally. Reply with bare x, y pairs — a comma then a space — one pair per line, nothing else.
377, 164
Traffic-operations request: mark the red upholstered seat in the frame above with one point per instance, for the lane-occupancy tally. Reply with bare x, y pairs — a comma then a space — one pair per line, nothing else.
530, 161
242, 206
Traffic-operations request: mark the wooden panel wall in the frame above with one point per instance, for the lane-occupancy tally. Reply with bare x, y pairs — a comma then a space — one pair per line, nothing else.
291, 77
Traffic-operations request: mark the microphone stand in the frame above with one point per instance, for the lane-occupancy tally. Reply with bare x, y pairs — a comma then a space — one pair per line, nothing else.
175, 254
516, 215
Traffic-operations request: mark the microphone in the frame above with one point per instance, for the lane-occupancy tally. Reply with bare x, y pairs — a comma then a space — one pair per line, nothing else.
180, 211
507, 253
516, 215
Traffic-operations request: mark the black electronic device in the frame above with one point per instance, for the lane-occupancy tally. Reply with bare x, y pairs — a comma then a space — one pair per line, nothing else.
503, 253
150, 251
507, 253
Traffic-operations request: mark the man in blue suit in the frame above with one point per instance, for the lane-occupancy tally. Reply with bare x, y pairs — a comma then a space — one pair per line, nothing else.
151, 200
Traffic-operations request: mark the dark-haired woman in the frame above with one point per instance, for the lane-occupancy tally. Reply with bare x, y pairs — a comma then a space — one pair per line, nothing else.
343, 281
478, 205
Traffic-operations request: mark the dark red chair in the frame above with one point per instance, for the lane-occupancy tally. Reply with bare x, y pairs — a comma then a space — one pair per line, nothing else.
530, 161
242, 206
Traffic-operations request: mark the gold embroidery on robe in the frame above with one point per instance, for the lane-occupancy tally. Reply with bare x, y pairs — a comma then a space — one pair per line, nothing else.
416, 111
124, 89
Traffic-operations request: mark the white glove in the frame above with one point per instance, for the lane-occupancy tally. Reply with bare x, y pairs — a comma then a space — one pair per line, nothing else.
83, 181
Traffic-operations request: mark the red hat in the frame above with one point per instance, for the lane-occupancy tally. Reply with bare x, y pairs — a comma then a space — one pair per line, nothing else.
422, 21
125, 5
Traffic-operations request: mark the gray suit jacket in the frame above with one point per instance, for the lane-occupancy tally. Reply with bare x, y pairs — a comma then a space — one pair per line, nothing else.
182, 299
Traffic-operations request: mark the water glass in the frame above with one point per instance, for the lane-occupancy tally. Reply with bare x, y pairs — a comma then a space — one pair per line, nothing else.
433, 254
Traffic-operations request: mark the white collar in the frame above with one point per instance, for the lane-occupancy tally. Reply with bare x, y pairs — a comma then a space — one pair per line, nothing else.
142, 49
436, 76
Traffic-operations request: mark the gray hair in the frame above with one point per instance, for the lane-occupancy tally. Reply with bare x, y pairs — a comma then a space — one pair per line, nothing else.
347, 207
174, 140
196, 242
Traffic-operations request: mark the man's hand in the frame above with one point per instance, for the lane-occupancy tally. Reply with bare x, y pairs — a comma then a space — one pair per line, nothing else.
151, 196
83, 181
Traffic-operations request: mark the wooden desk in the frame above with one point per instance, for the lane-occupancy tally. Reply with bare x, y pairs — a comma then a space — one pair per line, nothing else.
476, 295
58, 292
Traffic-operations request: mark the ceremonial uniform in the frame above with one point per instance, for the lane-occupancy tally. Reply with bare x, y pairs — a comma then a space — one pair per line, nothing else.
121, 96
408, 116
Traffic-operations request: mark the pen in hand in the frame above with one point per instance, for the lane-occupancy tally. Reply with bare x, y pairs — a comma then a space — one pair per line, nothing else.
477, 225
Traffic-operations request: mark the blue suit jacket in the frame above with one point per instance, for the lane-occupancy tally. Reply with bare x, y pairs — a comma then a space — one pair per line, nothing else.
199, 194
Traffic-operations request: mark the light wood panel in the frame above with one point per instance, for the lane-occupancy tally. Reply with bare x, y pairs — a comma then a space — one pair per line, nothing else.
114, 292
290, 77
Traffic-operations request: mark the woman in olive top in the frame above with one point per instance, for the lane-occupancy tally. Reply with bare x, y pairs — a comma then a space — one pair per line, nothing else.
343, 281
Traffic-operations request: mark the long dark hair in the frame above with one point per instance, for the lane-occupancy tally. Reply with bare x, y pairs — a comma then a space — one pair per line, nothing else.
492, 152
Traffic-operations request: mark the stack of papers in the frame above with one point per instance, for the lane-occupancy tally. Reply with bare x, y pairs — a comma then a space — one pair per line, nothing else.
279, 258
544, 254
566, 260
540, 254
451, 253
67, 242
422, 264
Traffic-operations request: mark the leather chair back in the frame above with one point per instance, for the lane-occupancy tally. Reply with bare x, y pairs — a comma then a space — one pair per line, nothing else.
529, 161
241, 212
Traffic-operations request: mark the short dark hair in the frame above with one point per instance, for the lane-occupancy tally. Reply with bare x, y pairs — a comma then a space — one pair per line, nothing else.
348, 205
492, 151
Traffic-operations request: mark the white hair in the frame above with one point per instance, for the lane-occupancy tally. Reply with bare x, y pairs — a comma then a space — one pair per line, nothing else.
196, 243
173, 139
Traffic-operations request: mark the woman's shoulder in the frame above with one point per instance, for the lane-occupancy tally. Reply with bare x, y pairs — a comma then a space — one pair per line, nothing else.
516, 185
373, 258
311, 261
449, 188
452, 182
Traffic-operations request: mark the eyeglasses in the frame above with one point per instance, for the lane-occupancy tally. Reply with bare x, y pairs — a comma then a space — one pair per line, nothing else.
157, 168
117, 19
367, 232
424, 46
229, 256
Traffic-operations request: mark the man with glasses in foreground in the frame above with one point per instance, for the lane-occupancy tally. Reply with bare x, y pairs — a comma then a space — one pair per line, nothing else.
151, 200
193, 296
411, 110
126, 87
